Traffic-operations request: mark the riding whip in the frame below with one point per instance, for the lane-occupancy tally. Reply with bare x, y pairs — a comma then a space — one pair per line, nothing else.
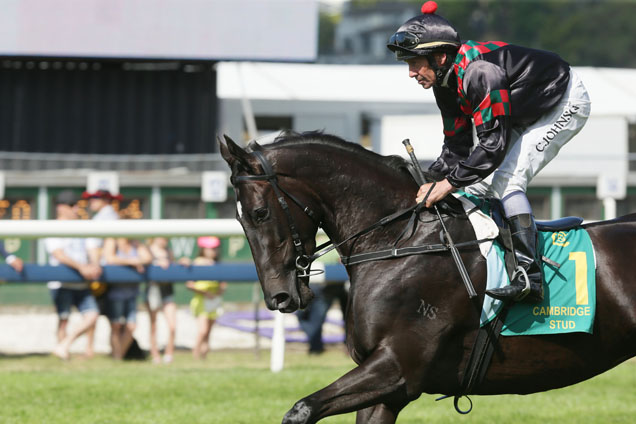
451, 245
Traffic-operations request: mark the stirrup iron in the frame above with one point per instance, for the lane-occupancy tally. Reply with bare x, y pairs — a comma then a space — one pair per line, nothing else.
526, 290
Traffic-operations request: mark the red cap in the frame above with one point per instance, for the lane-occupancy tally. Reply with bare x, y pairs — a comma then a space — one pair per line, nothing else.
102, 194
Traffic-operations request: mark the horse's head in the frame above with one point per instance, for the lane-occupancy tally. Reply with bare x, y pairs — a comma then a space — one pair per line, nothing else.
278, 221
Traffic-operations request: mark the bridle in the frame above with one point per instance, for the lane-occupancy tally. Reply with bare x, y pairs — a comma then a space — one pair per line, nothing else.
303, 261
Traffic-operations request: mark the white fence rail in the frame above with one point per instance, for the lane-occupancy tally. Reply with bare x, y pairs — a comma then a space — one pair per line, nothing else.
36, 228
32, 229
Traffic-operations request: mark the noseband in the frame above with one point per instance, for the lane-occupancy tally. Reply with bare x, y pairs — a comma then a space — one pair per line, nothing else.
303, 261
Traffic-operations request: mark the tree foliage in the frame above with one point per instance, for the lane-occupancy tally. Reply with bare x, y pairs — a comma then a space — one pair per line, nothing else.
583, 32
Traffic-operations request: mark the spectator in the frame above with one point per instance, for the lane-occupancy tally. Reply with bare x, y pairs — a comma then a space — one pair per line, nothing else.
71, 252
207, 299
100, 203
161, 296
121, 298
312, 318
12, 260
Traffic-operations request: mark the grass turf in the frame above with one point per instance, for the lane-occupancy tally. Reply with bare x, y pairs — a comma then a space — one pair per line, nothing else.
237, 387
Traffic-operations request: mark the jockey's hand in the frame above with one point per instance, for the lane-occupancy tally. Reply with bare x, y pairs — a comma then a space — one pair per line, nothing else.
442, 189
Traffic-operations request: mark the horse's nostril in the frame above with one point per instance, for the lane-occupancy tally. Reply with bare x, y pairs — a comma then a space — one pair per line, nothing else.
281, 300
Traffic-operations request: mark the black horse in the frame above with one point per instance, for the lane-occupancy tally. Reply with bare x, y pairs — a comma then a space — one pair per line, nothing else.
410, 323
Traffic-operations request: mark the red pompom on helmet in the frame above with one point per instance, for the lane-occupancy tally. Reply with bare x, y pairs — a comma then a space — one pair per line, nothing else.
424, 34
429, 7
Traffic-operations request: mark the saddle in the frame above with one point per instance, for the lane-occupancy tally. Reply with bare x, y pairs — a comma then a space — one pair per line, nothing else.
505, 239
486, 342
562, 224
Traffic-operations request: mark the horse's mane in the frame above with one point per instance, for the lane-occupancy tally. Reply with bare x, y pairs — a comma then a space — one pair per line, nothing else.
288, 138
450, 205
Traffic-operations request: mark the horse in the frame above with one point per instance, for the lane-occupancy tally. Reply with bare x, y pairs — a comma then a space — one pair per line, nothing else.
410, 325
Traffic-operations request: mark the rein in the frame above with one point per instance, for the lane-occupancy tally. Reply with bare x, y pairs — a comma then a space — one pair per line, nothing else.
394, 251
304, 261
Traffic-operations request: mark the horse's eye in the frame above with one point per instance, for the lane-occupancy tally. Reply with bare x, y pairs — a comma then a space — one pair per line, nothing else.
260, 214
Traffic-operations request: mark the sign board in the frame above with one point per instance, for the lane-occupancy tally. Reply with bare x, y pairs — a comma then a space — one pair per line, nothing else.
270, 30
611, 186
214, 186
103, 181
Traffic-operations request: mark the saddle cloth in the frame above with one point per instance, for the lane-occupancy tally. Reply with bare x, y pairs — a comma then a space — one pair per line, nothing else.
569, 302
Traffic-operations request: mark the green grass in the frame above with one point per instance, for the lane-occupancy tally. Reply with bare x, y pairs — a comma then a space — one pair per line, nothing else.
237, 387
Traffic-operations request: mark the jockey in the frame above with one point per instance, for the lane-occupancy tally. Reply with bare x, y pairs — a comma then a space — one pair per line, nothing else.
525, 104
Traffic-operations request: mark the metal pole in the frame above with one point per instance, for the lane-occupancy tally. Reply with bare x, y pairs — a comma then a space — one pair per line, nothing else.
256, 300
451, 245
278, 343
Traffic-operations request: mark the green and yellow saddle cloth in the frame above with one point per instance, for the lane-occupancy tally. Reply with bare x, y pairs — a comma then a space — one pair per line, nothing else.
569, 302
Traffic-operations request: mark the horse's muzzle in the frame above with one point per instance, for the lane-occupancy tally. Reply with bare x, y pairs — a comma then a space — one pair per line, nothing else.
286, 301
282, 301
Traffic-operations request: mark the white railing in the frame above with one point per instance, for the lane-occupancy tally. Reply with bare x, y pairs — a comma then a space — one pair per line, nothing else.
36, 228
31, 229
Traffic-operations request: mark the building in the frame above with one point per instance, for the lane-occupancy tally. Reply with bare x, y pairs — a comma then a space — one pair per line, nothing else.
379, 106
129, 91
362, 33
129, 87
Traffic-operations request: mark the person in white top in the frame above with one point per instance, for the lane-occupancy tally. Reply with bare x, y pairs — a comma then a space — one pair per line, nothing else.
71, 252
12, 260
100, 204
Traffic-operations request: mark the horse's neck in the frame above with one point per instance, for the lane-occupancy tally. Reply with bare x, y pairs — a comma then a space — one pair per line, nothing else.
355, 196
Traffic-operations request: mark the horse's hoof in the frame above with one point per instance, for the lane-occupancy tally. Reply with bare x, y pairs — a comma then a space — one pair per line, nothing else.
299, 414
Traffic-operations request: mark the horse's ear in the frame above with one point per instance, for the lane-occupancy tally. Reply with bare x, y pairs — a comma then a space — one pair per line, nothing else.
233, 153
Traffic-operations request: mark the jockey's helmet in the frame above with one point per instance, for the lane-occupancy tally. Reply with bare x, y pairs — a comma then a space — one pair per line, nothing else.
423, 35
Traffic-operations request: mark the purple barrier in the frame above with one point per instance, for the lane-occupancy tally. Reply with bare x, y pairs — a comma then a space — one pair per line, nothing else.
236, 320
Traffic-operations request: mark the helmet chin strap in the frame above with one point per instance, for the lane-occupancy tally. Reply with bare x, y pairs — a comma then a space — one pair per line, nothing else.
442, 73
449, 71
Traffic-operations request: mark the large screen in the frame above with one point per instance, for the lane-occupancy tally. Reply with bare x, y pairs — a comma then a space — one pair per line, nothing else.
280, 30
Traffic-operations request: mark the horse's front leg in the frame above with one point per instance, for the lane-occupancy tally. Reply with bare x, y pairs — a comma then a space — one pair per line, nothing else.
377, 380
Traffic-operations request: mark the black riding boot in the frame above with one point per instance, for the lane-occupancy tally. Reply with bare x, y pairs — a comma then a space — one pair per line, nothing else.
527, 284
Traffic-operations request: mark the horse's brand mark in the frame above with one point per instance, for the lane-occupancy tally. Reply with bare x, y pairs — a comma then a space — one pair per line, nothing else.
427, 311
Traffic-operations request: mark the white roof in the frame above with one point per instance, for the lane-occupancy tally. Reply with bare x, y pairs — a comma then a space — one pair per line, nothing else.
315, 82
612, 90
